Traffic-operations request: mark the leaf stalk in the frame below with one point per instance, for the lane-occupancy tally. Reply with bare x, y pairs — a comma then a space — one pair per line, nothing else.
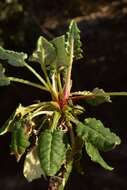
14, 79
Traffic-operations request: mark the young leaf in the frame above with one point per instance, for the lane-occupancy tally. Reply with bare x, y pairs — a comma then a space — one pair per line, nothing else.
99, 97
19, 140
95, 156
77, 110
51, 151
74, 34
4, 81
96, 97
61, 53
94, 131
32, 168
14, 58
45, 54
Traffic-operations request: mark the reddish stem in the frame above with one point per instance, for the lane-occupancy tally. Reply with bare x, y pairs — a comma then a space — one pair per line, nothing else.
82, 97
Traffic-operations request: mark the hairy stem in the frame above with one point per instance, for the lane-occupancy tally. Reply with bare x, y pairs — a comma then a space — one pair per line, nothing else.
43, 67
50, 85
66, 175
72, 136
67, 87
59, 84
54, 86
41, 113
37, 75
90, 95
27, 83
47, 84
56, 118
116, 93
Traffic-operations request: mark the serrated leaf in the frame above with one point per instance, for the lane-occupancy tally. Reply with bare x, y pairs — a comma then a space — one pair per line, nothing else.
32, 168
19, 140
95, 97
82, 93
95, 156
99, 97
14, 58
51, 151
45, 54
4, 81
94, 131
74, 110
77, 109
74, 34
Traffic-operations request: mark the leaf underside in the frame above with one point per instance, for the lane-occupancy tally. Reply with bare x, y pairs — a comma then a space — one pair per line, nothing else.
13, 58
32, 168
45, 54
61, 61
99, 97
4, 81
95, 97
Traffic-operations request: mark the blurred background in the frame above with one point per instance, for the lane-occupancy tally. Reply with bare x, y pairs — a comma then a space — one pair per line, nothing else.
103, 25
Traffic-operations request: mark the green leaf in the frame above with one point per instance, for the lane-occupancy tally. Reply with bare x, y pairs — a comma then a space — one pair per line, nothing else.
45, 54
93, 130
99, 97
51, 151
74, 34
19, 139
96, 97
95, 156
14, 58
32, 168
4, 81
61, 53
77, 109
82, 93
